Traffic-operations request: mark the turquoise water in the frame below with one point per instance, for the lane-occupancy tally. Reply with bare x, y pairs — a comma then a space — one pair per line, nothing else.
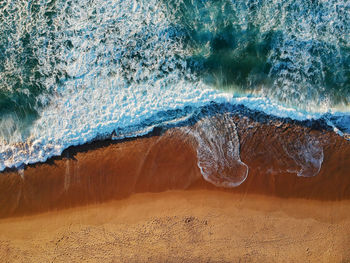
71, 71
297, 52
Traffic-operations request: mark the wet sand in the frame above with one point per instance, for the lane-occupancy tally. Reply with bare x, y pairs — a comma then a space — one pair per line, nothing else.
146, 200
107, 170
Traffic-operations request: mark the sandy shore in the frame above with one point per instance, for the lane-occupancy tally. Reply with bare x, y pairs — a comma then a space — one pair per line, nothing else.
183, 226
107, 170
145, 200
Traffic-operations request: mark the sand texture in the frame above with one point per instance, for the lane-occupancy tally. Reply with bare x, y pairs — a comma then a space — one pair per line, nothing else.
183, 226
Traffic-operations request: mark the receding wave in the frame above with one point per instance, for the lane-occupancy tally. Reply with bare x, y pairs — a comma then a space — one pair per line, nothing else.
218, 150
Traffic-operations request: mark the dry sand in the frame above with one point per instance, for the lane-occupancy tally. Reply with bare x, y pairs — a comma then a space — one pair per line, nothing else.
183, 226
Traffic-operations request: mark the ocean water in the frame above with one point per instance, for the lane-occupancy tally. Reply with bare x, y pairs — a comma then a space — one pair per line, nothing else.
74, 71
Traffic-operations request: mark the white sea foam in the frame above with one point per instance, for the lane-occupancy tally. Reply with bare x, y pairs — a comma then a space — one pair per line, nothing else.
80, 117
218, 151
307, 154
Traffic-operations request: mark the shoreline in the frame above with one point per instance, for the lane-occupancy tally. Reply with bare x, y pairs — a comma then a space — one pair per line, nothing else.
107, 170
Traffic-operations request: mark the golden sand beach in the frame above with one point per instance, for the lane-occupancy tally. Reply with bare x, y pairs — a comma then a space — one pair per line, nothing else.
145, 200
183, 226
